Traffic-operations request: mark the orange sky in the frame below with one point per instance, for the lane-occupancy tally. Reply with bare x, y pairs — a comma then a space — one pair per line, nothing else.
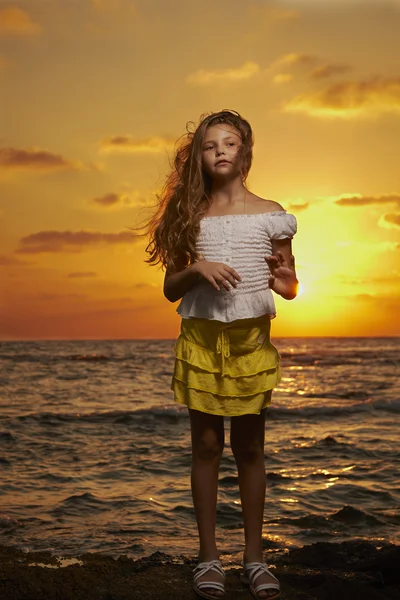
93, 95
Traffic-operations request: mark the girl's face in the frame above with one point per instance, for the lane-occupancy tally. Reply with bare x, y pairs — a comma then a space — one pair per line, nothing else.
220, 151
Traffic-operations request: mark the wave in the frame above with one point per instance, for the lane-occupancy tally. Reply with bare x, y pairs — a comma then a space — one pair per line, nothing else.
389, 406
173, 413
340, 358
347, 515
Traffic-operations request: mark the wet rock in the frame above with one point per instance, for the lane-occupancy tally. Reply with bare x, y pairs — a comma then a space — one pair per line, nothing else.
352, 570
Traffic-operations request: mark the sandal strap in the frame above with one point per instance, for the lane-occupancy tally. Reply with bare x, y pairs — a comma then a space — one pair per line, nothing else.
204, 567
253, 570
215, 585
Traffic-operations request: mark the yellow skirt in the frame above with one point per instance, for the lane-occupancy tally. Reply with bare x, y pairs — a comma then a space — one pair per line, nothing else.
226, 369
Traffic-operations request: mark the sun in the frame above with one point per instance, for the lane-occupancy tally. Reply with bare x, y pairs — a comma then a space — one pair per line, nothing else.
300, 289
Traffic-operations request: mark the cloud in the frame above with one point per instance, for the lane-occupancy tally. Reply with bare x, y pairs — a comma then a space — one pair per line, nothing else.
299, 207
35, 159
390, 221
70, 241
302, 60
15, 21
12, 261
127, 144
83, 274
383, 302
109, 200
350, 99
246, 71
115, 200
294, 58
392, 279
368, 200
325, 71
288, 61
282, 78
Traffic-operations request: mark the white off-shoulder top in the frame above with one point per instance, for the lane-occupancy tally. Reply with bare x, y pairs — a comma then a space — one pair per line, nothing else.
240, 241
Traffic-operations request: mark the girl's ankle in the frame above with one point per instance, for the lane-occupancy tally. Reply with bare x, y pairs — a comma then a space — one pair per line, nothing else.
253, 555
208, 555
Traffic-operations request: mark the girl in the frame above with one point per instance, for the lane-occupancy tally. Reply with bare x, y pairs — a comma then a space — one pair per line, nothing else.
224, 250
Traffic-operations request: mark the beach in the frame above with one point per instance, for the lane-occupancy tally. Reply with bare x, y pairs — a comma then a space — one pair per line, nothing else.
348, 571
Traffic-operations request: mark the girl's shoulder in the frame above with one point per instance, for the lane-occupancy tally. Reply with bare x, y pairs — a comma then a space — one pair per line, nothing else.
258, 205
278, 222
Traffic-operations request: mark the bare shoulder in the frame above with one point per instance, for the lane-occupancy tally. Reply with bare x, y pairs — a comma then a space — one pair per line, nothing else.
262, 205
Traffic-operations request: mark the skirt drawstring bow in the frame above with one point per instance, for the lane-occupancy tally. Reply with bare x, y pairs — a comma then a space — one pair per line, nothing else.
223, 348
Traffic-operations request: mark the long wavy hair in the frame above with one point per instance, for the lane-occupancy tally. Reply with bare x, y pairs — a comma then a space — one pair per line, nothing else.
185, 197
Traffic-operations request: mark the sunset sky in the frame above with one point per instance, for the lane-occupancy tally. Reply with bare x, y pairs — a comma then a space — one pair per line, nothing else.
95, 92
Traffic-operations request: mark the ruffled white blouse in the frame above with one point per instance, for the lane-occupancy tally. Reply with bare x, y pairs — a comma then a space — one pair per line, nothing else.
240, 241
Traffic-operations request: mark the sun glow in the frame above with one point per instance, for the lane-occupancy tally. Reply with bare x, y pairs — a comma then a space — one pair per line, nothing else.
300, 289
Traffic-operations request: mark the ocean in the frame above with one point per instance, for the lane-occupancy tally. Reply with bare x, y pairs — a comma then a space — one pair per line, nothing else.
95, 455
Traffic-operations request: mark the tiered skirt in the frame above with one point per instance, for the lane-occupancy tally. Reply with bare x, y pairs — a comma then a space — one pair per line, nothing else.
226, 369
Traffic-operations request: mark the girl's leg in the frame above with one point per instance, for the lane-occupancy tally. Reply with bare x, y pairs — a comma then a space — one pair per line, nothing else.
207, 446
247, 442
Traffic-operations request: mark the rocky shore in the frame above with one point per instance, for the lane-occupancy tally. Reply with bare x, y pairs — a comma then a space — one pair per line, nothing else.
355, 570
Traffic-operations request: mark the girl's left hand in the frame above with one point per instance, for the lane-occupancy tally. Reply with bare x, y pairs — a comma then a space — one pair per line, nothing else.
283, 278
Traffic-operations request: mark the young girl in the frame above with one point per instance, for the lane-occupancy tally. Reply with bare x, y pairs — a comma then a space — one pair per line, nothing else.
224, 250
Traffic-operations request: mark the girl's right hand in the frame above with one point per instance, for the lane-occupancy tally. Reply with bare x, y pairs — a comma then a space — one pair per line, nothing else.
217, 273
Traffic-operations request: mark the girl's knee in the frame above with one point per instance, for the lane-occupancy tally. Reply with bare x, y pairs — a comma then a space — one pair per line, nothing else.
207, 446
247, 451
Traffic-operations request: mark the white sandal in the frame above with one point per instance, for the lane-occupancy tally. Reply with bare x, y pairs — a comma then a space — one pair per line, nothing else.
203, 568
251, 572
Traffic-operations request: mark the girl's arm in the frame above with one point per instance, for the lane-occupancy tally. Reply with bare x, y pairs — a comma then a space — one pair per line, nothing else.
218, 274
177, 284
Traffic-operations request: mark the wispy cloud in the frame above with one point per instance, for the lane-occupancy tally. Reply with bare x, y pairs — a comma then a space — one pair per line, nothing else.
302, 61
393, 279
282, 78
359, 200
349, 100
128, 144
325, 71
390, 221
287, 63
294, 58
299, 206
70, 241
120, 200
232, 75
15, 21
12, 261
35, 159
110, 200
